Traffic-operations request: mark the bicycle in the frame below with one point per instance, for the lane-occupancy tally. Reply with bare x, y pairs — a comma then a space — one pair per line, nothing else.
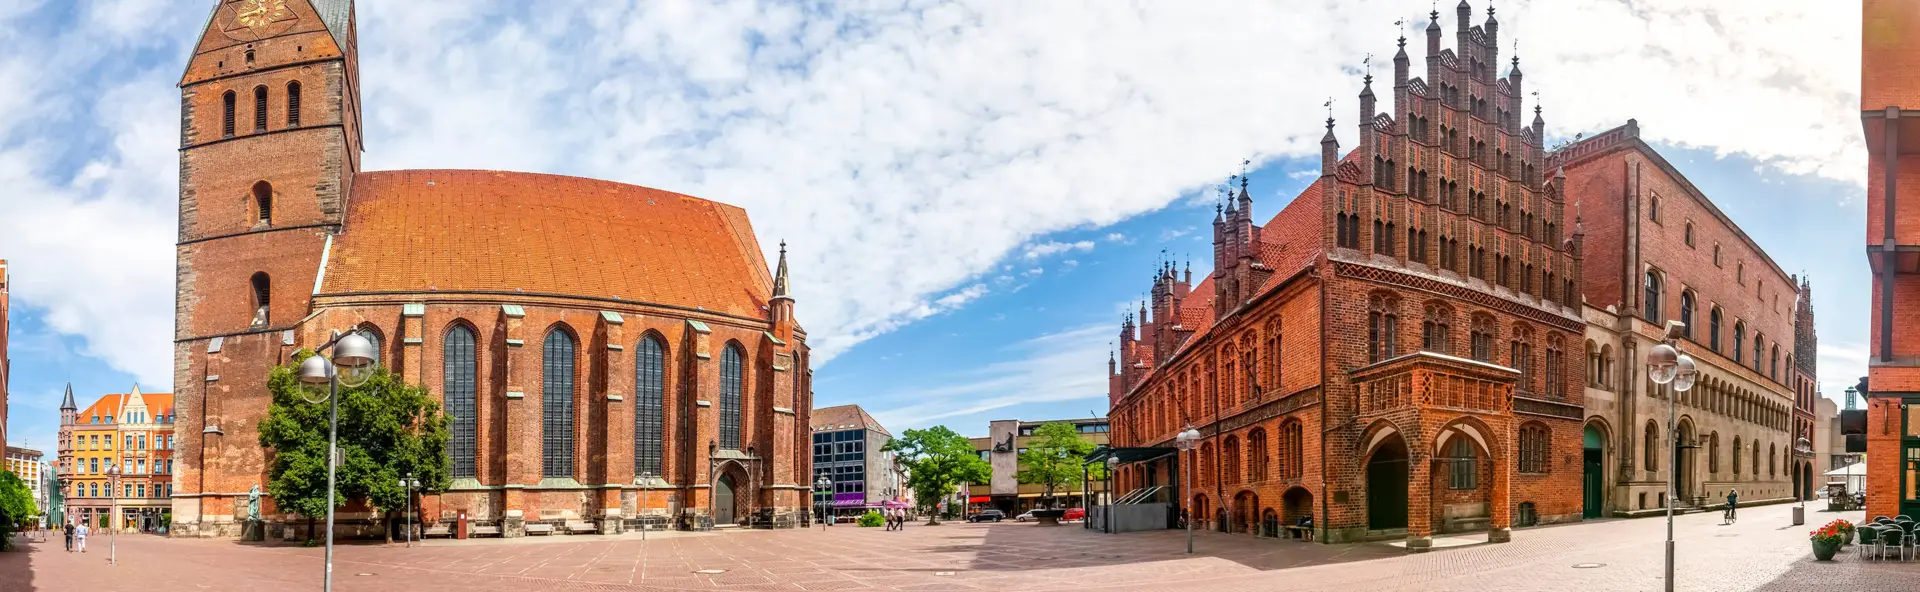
1729, 517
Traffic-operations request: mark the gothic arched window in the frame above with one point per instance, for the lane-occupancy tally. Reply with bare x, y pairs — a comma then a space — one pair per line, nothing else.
1686, 313
649, 404
1652, 312
1482, 337
732, 383
1713, 329
226, 117
1383, 330
1436, 328
557, 405
460, 388
1651, 446
260, 108
1739, 339
263, 203
262, 300
293, 104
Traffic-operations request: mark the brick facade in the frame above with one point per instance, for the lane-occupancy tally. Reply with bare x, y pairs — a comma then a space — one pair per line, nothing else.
1659, 250
1304, 358
1890, 117
284, 240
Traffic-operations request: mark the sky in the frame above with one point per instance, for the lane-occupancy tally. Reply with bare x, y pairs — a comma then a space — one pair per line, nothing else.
972, 193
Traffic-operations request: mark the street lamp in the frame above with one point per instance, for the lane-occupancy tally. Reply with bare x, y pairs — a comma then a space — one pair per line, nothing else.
821, 487
408, 484
113, 511
1113, 464
354, 361
1666, 365
1186, 440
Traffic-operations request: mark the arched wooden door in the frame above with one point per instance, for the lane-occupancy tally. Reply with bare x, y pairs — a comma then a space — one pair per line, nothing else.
723, 500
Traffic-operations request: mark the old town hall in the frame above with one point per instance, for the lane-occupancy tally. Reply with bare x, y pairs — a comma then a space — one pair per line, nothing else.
1392, 355
609, 355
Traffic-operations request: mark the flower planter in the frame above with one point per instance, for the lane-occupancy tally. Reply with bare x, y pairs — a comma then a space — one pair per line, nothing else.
1823, 549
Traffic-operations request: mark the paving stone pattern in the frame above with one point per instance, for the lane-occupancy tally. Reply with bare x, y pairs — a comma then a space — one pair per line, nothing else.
1761, 552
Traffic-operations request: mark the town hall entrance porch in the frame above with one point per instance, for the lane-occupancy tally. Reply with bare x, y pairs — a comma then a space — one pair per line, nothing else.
1436, 453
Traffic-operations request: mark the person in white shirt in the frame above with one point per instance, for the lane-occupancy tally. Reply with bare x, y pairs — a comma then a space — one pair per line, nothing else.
80, 536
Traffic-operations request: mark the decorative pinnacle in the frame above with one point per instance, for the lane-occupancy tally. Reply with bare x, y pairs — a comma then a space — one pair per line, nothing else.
1368, 63
1402, 26
1243, 173
1329, 107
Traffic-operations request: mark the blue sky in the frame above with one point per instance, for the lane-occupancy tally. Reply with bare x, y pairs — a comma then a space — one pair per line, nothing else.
972, 194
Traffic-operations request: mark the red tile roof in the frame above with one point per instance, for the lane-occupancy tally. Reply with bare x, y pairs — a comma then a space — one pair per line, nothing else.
480, 231
844, 417
158, 404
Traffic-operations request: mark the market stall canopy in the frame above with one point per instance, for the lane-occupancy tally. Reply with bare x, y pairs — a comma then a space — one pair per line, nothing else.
1852, 470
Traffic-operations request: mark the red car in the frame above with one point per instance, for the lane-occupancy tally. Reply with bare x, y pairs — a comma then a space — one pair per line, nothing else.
1075, 514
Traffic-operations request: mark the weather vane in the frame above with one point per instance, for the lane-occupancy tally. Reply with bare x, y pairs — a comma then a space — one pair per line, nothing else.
1368, 62
1329, 107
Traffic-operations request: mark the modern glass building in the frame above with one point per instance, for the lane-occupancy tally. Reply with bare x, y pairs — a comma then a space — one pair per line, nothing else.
848, 450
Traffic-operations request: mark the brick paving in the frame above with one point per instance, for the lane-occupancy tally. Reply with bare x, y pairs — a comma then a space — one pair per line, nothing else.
1761, 552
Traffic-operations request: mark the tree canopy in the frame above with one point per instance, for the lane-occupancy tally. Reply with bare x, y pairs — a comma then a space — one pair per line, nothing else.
387, 429
937, 460
1054, 457
16, 507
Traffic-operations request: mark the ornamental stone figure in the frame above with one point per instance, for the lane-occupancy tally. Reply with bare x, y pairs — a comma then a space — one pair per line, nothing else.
253, 503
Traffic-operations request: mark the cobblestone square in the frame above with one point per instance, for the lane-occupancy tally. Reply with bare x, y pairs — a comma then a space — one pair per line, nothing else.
1760, 552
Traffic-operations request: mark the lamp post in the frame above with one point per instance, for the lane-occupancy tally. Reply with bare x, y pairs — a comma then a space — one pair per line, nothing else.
354, 361
821, 488
1113, 464
1667, 366
408, 484
113, 511
1186, 440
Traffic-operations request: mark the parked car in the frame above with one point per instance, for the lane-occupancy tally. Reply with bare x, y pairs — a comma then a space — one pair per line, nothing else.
988, 516
1026, 516
1075, 514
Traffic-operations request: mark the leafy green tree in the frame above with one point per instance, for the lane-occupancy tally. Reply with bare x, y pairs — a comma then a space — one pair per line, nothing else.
387, 429
937, 460
1054, 457
16, 507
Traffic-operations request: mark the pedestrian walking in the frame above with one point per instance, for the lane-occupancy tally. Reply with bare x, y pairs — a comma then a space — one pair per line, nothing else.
899, 519
80, 537
68, 529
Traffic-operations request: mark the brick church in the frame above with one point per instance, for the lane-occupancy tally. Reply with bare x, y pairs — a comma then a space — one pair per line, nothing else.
608, 354
1394, 342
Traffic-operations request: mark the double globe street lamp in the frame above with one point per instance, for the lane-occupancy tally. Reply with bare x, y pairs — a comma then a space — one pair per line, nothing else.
1186, 441
408, 484
1667, 366
354, 361
821, 488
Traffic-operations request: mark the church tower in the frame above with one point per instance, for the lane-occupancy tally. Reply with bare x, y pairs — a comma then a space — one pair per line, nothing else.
269, 145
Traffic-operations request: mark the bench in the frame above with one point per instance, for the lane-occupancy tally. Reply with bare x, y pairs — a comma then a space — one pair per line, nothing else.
1468, 524
483, 531
533, 529
437, 530
581, 527
1304, 533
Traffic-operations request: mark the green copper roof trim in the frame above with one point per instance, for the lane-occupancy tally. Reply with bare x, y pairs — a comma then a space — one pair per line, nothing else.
770, 337
698, 326
513, 310
612, 318
413, 309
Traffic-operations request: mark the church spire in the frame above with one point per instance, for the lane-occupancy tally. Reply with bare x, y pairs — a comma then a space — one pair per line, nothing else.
66, 404
780, 276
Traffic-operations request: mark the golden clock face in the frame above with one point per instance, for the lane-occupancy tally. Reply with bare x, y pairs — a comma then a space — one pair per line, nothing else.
256, 16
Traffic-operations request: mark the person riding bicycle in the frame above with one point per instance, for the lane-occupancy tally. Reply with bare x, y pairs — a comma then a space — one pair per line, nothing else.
1733, 502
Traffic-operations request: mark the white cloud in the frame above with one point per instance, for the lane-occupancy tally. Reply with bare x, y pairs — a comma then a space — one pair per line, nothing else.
1054, 248
1841, 365
1115, 237
904, 149
1033, 272
1062, 366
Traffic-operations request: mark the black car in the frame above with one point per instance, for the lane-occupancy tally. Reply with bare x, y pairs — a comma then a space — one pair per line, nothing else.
988, 516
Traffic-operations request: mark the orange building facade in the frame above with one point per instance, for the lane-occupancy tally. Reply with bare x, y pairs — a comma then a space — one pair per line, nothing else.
1890, 119
1389, 353
116, 456
608, 354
